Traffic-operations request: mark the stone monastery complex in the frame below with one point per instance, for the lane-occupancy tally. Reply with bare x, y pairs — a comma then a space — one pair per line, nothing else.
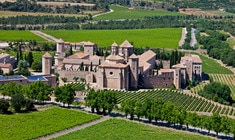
122, 69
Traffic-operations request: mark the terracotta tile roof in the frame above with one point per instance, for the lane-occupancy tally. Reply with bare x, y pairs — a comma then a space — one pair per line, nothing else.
78, 55
126, 44
144, 64
192, 57
133, 56
95, 57
146, 56
179, 66
2, 55
114, 58
5, 65
113, 65
46, 55
114, 44
165, 70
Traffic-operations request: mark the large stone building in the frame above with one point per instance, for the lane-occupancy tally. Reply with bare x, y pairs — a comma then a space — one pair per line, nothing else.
122, 69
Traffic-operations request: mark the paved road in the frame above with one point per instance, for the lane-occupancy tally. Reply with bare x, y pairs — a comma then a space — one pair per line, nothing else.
183, 36
66, 131
45, 36
193, 37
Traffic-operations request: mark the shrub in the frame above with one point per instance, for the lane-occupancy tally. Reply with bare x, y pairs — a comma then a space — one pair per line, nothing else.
4, 105
18, 102
29, 105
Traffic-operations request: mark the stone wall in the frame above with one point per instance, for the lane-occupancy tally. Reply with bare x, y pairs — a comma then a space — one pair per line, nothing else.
71, 74
157, 81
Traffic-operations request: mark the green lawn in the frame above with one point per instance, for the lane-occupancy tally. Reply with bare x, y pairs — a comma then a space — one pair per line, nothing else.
14, 35
153, 38
126, 13
116, 129
32, 125
210, 66
37, 56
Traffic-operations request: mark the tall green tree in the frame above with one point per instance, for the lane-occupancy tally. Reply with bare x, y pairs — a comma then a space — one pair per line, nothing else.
65, 94
38, 91
138, 109
4, 105
91, 100
18, 102
10, 89
37, 65
129, 107
30, 58
216, 123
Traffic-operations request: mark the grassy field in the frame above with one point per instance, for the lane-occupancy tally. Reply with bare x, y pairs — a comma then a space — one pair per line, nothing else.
13, 35
210, 66
126, 13
37, 56
117, 129
153, 38
231, 42
32, 125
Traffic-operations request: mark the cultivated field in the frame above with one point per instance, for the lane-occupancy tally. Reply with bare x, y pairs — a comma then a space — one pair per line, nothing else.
199, 12
32, 125
37, 56
153, 38
210, 66
64, 3
227, 79
189, 102
117, 129
13, 14
14, 35
125, 13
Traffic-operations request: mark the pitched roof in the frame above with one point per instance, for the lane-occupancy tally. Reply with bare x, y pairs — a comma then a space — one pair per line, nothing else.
113, 65
46, 55
114, 58
5, 65
114, 44
165, 70
126, 44
192, 57
2, 55
146, 56
133, 56
179, 66
78, 55
144, 64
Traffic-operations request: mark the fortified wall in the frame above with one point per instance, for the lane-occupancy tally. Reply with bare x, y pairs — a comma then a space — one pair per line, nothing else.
71, 74
158, 81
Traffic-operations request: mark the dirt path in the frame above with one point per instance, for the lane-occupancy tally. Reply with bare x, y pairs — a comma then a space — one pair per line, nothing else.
111, 10
79, 127
183, 36
45, 36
